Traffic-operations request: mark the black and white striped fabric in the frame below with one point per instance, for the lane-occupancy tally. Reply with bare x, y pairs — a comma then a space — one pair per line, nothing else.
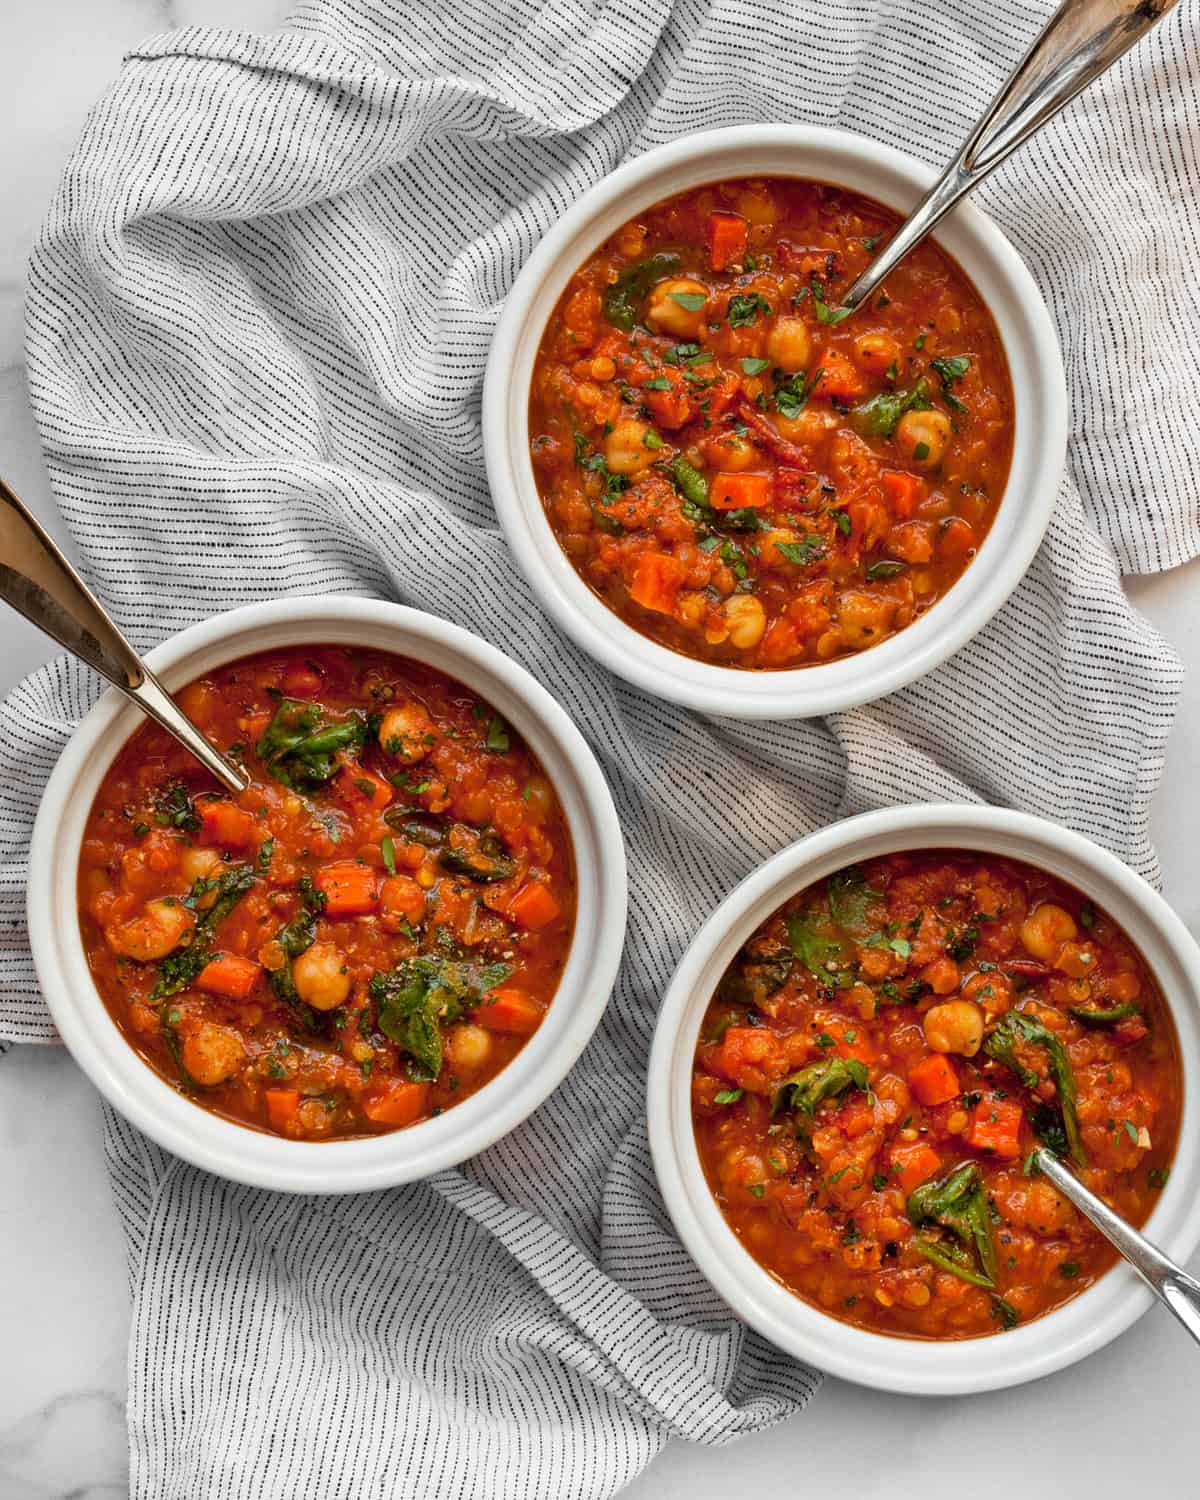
258, 320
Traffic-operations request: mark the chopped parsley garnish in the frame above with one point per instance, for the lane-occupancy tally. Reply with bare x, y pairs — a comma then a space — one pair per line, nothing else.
804, 552
744, 308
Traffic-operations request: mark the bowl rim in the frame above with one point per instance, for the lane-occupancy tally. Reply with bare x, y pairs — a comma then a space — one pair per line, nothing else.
1039, 449
235, 1151
920, 1367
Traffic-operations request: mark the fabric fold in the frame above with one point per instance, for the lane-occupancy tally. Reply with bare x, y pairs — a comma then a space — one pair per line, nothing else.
258, 318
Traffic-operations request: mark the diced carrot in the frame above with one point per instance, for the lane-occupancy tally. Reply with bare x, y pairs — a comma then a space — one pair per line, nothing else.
510, 1011
736, 491
301, 681
996, 1127
957, 538
657, 579
841, 380
534, 906
282, 1106
397, 1102
903, 492
349, 889
727, 234
357, 785
914, 1165
230, 975
934, 1081
402, 896
225, 824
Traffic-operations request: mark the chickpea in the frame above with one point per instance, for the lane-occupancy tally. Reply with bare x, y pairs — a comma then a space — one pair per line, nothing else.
163, 925
666, 315
789, 345
211, 1054
407, 732
469, 1046
922, 437
863, 617
625, 450
201, 864
602, 368
956, 1026
321, 977
808, 425
745, 620
732, 454
876, 352
1046, 929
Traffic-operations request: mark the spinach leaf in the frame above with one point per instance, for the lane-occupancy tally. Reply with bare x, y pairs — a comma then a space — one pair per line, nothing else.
755, 977
297, 937
820, 1081
422, 994
623, 299
880, 416
1000, 1044
957, 1202
819, 950
301, 753
850, 898
180, 968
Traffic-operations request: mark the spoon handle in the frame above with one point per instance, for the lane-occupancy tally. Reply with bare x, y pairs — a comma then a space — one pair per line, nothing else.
1169, 1282
1082, 39
39, 582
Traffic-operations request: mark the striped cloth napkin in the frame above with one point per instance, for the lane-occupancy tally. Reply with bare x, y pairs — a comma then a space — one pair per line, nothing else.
258, 319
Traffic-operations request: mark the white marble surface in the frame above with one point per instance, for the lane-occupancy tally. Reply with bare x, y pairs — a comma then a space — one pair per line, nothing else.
1122, 1418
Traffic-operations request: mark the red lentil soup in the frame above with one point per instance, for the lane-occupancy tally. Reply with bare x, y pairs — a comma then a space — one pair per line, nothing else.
878, 1065
364, 937
737, 471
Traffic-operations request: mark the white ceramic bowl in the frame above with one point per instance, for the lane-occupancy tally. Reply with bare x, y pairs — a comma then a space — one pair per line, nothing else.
1039, 389
913, 1366
403, 1155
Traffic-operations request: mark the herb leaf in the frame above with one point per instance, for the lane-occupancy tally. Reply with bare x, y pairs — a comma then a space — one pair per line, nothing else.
421, 994
622, 299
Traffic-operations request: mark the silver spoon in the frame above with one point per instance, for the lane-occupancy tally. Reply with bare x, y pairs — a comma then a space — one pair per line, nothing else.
1169, 1283
37, 580
1081, 40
